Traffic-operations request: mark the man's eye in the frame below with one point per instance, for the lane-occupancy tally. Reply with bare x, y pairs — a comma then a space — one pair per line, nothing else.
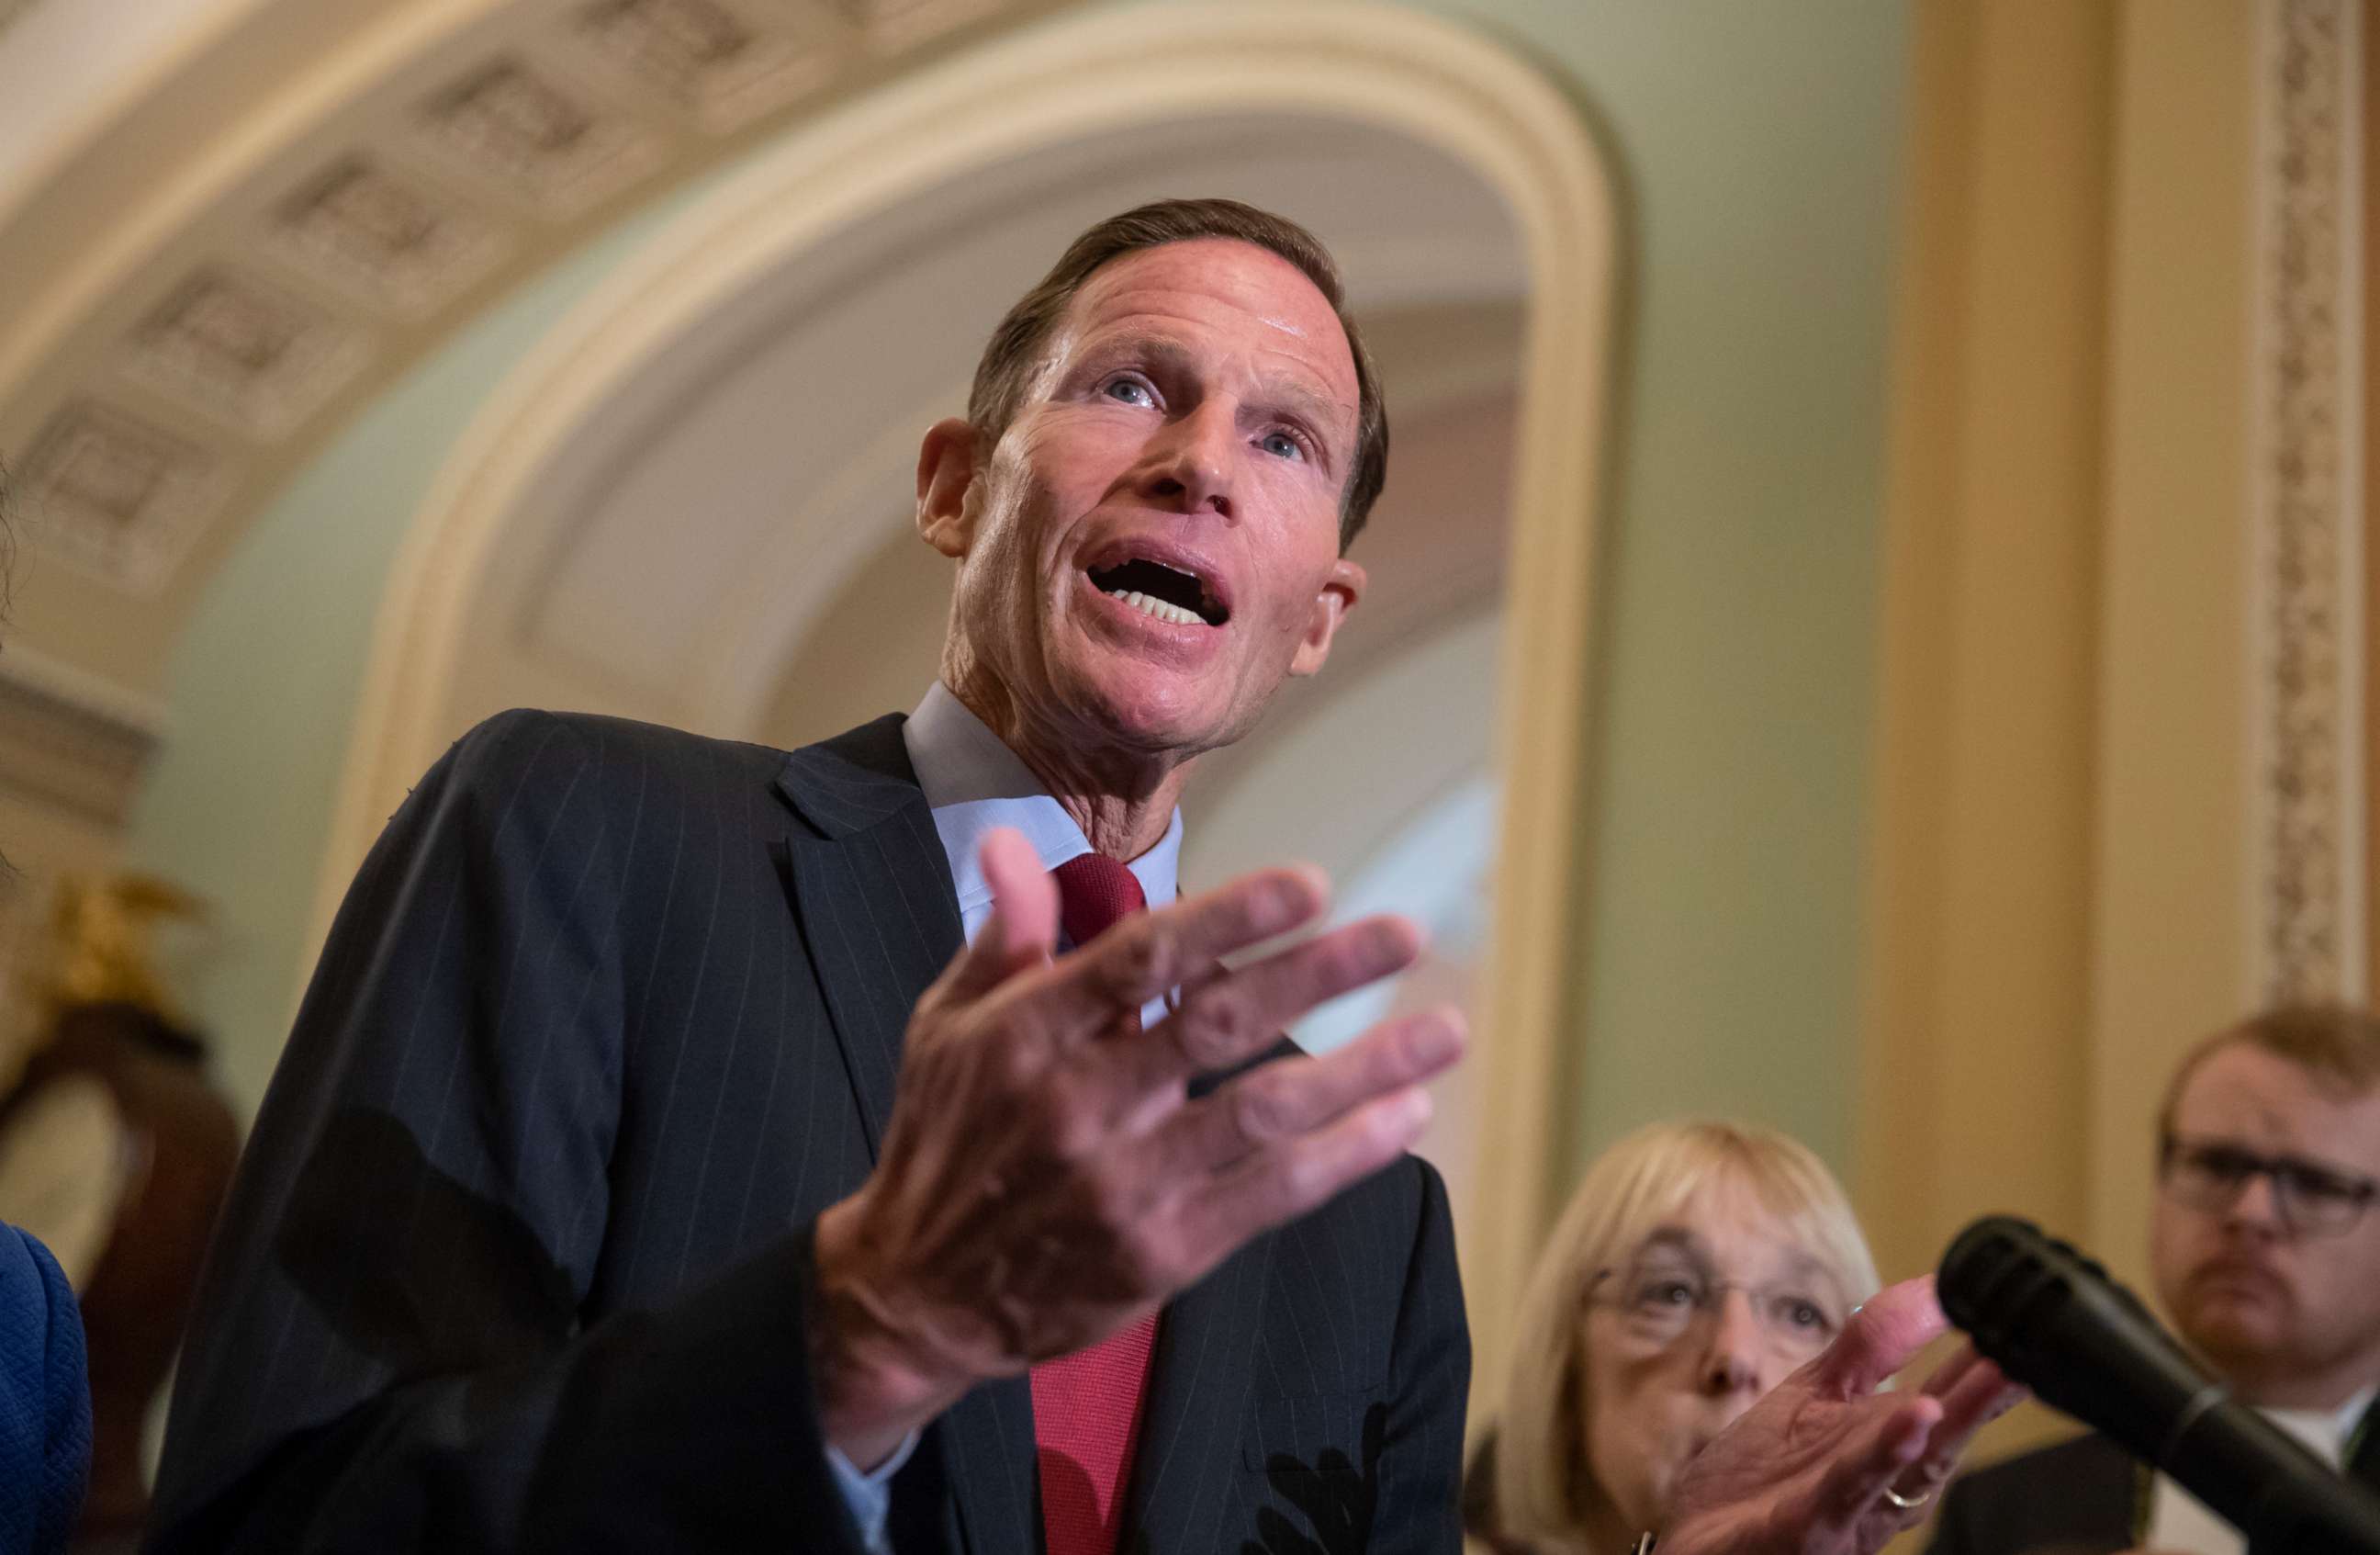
1282, 445
1803, 1315
2227, 1166
1129, 391
2312, 1182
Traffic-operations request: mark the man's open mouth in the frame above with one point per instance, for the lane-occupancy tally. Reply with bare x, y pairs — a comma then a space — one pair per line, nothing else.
1166, 593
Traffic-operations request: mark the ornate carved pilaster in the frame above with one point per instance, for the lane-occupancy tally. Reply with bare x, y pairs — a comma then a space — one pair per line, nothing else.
2306, 495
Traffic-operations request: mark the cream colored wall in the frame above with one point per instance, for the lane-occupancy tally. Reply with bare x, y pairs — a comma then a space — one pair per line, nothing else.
1977, 990
2170, 904
2055, 896
874, 648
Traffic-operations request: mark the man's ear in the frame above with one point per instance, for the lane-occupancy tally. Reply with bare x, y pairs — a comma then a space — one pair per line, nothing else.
945, 475
1341, 593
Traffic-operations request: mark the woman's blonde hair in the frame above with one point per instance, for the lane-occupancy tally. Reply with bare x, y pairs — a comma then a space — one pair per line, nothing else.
1544, 1494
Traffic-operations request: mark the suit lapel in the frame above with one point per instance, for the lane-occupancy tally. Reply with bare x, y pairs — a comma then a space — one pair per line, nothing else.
2361, 1461
986, 1441
871, 889
2362, 1452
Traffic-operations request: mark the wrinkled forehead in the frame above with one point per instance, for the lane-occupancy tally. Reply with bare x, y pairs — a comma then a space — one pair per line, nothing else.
1221, 295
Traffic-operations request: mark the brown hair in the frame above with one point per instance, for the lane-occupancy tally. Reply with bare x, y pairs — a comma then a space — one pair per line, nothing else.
2337, 1044
1012, 355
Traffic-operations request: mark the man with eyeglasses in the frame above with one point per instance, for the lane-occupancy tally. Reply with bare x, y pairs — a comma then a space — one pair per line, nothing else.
2267, 1259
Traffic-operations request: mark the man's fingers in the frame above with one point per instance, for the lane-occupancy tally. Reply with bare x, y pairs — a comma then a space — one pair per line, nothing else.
1024, 923
1230, 1019
1150, 952
1289, 1178
1024, 896
1198, 980
1296, 1096
1884, 1336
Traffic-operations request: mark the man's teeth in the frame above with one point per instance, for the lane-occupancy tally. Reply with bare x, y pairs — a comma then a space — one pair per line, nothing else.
1163, 610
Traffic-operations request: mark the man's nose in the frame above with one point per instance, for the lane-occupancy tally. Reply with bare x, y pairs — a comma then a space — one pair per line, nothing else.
1738, 1346
2258, 1204
1191, 461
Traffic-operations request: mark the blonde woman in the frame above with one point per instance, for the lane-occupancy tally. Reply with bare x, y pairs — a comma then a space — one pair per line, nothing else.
1697, 1264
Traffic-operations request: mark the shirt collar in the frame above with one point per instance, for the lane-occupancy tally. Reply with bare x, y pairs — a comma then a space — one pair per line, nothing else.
2327, 1432
974, 783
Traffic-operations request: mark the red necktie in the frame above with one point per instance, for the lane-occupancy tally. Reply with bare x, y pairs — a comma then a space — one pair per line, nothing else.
1086, 1405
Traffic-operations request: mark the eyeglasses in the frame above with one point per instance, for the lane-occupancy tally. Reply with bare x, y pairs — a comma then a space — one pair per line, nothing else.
1661, 1298
2310, 1198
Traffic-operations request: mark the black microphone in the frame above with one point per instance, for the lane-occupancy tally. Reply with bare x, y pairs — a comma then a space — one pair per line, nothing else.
2056, 1322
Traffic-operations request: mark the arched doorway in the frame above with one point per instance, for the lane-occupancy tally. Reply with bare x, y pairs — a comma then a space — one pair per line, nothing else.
704, 466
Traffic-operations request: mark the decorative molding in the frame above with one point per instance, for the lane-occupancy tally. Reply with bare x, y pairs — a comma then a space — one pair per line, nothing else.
893, 25
230, 344
726, 61
382, 238
519, 130
436, 157
70, 740
117, 495
2306, 506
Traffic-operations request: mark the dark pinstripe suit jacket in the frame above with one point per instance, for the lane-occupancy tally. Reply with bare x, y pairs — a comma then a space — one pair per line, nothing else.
2076, 1498
518, 1258
2082, 1497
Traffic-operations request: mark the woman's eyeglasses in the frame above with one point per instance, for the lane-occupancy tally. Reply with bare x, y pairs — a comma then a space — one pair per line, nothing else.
1662, 1299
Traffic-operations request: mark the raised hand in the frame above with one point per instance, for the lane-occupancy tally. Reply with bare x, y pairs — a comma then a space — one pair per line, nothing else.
1815, 1468
1045, 1178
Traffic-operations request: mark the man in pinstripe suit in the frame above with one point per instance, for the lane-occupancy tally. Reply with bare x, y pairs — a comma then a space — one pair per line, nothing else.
685, 1145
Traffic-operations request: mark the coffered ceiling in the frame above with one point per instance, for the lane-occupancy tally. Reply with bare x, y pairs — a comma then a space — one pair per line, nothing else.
223, 226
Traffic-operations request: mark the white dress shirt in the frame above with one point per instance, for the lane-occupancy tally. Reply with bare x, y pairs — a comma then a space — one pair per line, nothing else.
974, 783
2179, 1521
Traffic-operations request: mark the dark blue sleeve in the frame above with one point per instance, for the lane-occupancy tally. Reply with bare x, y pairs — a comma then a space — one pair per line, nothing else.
45, 1398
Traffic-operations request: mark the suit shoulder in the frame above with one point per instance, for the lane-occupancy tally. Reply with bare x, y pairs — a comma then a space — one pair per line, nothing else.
1400, 1199
2077, 1494
611, 752
2085, 1457
1399, 1195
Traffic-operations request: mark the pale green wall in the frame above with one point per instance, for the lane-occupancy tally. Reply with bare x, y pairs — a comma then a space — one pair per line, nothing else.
1760, 145
1756, 143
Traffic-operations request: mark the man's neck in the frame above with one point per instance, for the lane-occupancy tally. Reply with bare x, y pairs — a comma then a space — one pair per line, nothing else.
1122, 829
2325, 1392
1124, 801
